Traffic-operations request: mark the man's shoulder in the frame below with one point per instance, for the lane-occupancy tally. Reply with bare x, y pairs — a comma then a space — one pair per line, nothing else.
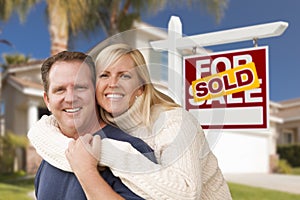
63, 184
108, 131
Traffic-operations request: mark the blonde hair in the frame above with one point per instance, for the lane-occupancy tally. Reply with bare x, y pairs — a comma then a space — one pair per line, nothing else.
151, 96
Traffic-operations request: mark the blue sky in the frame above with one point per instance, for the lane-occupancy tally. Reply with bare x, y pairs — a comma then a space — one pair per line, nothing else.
32, 37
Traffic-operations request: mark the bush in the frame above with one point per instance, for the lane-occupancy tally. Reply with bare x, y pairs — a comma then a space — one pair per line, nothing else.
290, 153
9, 143
283, 167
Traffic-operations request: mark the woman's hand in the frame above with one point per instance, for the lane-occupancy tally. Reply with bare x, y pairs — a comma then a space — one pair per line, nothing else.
84, 153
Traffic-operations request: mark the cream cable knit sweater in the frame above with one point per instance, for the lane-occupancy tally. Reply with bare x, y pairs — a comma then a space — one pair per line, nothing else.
187, 168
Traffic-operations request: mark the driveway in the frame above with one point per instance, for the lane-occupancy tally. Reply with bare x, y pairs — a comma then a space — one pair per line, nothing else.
280, 182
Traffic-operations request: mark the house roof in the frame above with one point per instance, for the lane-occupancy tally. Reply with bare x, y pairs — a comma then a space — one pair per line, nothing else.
155, 31
26, 86
138, 26
22, 83
286, 111
25, 66
290, 102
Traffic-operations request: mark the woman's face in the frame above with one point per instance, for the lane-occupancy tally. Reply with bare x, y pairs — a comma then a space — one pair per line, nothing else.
118, 85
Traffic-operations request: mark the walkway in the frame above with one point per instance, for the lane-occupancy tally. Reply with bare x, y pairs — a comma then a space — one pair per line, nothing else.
280, 182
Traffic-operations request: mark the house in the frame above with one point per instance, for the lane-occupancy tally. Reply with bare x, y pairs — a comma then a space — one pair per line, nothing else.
22, 95
285, 118
238, 152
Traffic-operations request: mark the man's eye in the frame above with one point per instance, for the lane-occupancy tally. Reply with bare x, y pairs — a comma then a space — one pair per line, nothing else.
80, 87
59, 90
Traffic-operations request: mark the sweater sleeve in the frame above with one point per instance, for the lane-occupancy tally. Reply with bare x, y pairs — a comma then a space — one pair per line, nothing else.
49, 142
187, 167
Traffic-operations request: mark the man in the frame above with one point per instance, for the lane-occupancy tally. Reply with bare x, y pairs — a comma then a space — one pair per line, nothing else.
69, 93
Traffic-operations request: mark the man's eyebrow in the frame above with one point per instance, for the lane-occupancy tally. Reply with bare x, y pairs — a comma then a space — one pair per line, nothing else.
56, 87
81, 84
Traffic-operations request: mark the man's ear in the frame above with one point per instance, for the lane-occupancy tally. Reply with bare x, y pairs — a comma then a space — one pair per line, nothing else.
46, 100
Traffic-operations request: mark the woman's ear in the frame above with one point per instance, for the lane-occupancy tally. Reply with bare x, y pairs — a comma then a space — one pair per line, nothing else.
140, 91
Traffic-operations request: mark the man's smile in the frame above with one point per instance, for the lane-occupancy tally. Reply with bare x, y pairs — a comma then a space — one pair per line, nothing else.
72, 110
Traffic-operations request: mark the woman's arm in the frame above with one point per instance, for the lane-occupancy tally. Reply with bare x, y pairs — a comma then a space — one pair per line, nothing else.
49, 142
187, 170
51, 145
186, 176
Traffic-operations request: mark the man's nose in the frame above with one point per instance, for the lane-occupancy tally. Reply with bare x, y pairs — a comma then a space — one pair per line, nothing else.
70, 95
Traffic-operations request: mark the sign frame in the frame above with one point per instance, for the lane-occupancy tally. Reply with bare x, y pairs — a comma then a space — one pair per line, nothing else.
228, 117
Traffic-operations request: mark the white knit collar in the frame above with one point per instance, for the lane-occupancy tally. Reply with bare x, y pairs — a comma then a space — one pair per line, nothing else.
131, 119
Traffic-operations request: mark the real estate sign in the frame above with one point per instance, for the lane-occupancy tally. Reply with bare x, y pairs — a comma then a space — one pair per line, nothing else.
228, 90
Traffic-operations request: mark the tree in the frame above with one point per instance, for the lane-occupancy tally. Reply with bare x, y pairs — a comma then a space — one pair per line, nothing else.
15, 59
66, 17
3, 41
70, 17
7, 7
115, 16
9, 144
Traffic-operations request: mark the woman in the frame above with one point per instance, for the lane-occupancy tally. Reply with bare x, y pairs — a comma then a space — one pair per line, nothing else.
186, 169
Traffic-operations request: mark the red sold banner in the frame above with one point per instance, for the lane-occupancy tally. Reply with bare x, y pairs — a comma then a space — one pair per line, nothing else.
228, 90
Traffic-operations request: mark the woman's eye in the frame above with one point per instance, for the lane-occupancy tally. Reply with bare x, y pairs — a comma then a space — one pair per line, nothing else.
125, 76
103, 76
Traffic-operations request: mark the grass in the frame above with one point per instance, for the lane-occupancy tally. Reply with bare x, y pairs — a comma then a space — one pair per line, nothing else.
242, 192
14, 187
18, 188
296, 171
12, 192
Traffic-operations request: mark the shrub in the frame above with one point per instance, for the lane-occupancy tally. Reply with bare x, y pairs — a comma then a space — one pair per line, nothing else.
283, 167
290, 153
9, 143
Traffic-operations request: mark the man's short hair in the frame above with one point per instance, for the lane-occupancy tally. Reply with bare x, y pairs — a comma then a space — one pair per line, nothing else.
66, 56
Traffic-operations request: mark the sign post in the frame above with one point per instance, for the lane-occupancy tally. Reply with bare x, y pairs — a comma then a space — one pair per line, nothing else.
238, 111
176, 43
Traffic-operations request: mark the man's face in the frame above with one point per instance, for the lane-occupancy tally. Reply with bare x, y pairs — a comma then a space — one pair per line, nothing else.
71, 97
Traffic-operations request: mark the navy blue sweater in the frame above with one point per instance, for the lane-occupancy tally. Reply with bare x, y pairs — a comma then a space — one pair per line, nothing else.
52, 183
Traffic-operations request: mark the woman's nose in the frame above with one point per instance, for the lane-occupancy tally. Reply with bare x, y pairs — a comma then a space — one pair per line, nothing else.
113, 82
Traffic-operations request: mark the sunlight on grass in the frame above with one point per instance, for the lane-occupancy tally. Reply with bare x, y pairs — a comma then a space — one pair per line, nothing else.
20, 190
242, 192
296, 171
12, 192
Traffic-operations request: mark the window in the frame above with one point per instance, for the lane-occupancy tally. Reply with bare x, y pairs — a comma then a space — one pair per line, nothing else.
2, 108
164, 61
288, 137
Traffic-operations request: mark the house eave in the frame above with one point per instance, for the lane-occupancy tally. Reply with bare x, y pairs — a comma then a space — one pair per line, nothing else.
26, 90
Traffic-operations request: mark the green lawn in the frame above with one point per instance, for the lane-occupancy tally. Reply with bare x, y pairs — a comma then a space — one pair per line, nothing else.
296, 171
15, 188
242, 192
12, 190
